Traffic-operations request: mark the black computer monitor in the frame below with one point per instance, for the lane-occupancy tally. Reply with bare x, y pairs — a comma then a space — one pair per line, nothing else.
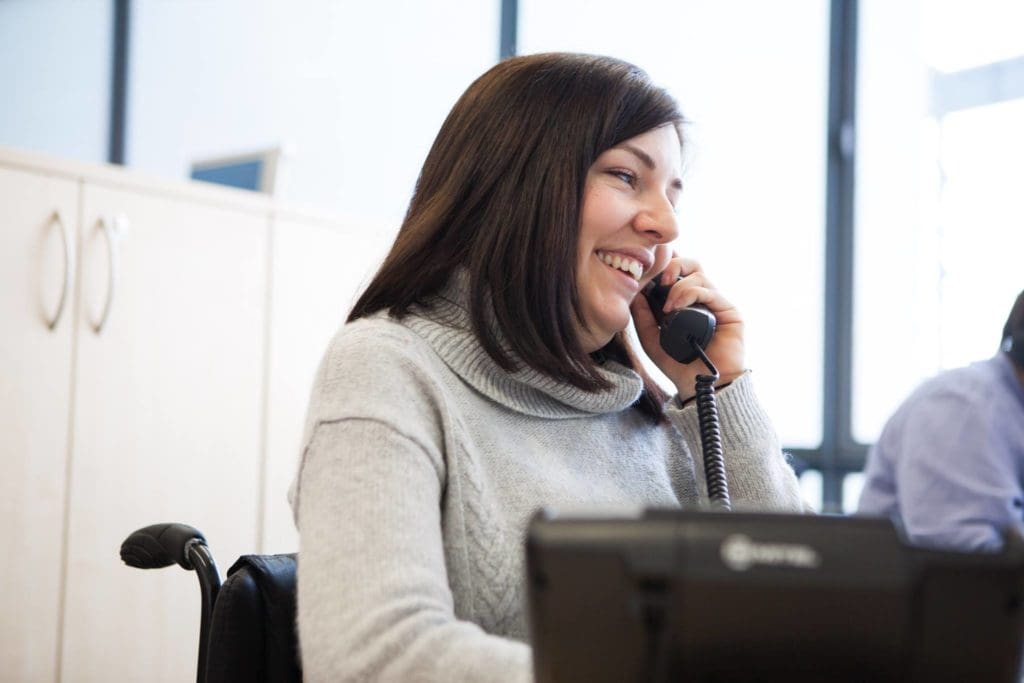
673, 595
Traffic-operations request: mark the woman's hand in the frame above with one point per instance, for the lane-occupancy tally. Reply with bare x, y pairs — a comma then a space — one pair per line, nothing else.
726, 347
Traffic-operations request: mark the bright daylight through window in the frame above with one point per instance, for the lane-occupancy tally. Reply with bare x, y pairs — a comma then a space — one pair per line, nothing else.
939, 213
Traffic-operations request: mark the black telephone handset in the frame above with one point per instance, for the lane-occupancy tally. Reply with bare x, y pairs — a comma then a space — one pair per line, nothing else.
684, 334
681, 329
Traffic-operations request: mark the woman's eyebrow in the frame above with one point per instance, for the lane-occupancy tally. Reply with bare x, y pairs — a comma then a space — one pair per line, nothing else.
640, 154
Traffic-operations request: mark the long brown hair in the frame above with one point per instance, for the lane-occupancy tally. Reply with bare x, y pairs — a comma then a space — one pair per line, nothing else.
500, 195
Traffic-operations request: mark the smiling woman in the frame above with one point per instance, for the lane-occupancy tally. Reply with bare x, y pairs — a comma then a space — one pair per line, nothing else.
499, 196
485, 373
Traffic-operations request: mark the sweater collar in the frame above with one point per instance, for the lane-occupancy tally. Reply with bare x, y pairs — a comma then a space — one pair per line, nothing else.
447, 327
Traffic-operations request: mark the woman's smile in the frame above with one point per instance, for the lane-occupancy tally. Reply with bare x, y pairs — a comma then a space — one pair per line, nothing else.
622, 262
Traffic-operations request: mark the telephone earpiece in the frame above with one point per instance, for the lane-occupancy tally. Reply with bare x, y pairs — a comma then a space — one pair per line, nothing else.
680, 329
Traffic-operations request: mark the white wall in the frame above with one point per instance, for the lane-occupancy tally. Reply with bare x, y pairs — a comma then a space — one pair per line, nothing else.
55, 66
354, 91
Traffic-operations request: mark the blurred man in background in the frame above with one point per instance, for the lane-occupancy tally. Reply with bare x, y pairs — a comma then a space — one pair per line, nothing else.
949, 463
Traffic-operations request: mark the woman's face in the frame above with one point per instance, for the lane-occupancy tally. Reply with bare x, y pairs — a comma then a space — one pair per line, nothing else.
627, 220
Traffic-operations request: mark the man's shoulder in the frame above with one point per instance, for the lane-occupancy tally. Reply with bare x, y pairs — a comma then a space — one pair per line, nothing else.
951, 398
966, 383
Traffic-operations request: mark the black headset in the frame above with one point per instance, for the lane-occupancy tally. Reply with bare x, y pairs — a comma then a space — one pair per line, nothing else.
1013, 332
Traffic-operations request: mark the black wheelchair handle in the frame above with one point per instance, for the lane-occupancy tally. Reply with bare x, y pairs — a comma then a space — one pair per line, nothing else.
160, 545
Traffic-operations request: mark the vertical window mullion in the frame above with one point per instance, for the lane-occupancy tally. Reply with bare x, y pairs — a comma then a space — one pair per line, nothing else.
509, 28
119, 81
839, 261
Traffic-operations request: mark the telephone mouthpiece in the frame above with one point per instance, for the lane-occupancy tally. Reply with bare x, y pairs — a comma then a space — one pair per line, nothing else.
682, 329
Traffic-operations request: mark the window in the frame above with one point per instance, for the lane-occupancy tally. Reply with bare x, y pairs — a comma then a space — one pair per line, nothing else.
751, 77
939, 214
56, 77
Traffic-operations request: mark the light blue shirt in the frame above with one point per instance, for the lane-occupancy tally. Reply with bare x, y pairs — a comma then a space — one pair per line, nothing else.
950, 462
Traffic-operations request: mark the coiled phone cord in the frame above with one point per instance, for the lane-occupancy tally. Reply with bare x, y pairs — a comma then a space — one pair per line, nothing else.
711, 434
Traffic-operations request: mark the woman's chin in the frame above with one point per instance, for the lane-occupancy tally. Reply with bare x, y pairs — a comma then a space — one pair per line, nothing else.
598, 336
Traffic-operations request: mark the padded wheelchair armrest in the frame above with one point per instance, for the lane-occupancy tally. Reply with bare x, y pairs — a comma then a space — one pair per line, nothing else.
253, 635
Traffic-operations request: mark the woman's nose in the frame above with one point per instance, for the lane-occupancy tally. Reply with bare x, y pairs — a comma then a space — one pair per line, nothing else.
658, 221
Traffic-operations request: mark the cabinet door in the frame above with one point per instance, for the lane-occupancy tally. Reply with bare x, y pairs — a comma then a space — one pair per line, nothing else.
38, 215
168, 412
318, 269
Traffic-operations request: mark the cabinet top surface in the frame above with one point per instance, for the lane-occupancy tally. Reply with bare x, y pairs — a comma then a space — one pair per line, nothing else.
132, 179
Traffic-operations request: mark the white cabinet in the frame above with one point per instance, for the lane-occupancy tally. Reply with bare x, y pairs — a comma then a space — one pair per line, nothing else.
171, 387
38, 218
168, 412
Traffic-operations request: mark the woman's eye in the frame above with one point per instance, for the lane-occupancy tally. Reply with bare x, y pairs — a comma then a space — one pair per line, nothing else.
625, 176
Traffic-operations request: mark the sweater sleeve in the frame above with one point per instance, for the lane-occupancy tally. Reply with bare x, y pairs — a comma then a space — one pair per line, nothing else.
373, 596
759, 476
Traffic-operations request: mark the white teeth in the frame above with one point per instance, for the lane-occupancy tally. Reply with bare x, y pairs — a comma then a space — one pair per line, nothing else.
623, 263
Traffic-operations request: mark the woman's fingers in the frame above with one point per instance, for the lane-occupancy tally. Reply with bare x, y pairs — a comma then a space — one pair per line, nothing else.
688, 294
692, 286
679, 266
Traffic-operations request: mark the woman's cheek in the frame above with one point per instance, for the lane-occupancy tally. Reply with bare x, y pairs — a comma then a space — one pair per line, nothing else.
662, 255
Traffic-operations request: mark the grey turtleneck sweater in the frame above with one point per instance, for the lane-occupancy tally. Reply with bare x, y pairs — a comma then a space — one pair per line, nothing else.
421, 466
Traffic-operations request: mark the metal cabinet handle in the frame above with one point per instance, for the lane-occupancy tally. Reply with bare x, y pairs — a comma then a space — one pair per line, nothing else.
66, 239
108, 232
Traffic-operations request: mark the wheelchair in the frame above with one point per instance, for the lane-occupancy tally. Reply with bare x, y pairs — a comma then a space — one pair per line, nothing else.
247, 624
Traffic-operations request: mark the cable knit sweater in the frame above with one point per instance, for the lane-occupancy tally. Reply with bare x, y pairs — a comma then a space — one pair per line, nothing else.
422, 464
